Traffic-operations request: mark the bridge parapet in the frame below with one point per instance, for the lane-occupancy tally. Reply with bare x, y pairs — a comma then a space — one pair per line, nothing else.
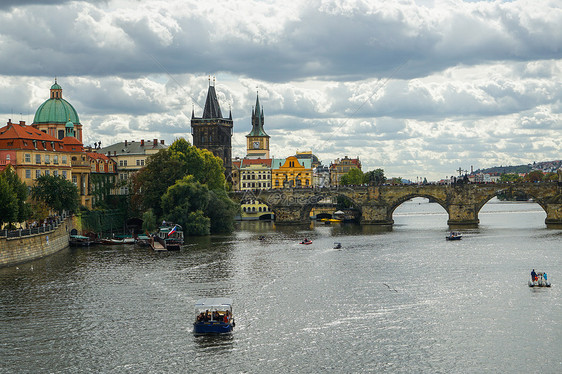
377, 203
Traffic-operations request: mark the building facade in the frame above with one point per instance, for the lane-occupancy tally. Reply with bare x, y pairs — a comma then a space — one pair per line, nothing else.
341, 167
213, 132
291, 172
130, 157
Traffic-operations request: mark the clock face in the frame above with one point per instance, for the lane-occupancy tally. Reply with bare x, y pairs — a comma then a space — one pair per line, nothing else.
256, 145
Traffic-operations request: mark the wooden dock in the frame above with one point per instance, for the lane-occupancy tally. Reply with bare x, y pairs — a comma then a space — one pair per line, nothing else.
156, 245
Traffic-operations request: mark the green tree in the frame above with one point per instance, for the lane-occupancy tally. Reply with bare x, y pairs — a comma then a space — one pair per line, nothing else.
375, 177
149, 221
168, 166
510, 177
20, 189
395, 180
8, 202
197, 224
551, 177
353, 177
221, 210
58, 193
534, 176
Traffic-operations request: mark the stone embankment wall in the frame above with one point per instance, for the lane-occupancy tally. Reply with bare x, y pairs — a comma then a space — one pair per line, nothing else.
15, 251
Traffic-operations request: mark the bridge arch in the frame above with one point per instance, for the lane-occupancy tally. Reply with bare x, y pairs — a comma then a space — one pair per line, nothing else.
315, 202
515, 188
396, 203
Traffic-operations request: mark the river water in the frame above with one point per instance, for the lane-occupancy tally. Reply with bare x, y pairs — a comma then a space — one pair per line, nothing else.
402, 300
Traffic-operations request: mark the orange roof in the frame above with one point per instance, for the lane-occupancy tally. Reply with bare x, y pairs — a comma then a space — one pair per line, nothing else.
20, 136
19, 131
98, 156
72, 144
256, 161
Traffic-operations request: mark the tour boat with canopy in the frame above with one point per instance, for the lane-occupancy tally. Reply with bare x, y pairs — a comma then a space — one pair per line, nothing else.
213, 316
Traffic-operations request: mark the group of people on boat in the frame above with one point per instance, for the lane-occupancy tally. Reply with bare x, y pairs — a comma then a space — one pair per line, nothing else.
208, 316
535, 276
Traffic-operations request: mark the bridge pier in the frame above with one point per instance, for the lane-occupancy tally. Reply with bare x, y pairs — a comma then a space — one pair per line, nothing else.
463, 215
553, 216
289, 215
376, 215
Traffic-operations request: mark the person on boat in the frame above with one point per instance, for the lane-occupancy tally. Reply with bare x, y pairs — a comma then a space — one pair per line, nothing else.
544, 276
533, 275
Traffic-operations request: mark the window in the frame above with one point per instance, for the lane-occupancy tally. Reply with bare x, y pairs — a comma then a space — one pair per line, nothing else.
110, 166
142, 162
64, 159
27, 158
8, 157
37, 159
120, 162
47, 159
94, 167
64, 174
124, 162
138, 162
37, 173
74, 180
28, 174
56, 173
55, 159
47, 172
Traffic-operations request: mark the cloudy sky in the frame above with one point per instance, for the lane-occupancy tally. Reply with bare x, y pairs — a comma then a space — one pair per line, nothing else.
416, 87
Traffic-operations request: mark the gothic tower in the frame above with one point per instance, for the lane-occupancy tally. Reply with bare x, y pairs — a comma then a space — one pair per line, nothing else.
257, 141
213, 132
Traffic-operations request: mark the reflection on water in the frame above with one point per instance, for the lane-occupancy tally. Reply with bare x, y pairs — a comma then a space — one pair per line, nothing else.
398, 299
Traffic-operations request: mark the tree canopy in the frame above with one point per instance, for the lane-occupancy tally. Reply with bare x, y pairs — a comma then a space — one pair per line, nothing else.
57, 192
356, 177
185, 185
13, 198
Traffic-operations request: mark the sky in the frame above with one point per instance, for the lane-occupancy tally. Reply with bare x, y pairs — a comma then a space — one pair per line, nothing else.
417, 88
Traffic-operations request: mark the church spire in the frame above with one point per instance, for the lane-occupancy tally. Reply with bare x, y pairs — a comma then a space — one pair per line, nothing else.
257, 120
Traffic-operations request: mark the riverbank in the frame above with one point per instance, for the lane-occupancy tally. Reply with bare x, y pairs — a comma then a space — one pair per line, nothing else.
19, 249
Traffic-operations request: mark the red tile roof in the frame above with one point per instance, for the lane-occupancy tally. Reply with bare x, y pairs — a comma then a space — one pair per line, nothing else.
257, 161
20, 136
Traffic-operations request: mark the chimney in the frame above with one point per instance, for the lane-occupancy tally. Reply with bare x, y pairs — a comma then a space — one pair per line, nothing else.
155, 143
162, 141
125, 143
22, 123
114, 153
142, 142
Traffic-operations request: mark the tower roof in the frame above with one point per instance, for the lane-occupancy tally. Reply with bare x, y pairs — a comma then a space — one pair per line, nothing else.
212, 107
257, 121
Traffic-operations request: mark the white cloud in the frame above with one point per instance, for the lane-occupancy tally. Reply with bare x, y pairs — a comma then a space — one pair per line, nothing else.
411, 86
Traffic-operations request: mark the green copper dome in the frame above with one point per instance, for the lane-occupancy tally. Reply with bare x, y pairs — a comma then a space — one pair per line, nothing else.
70, 124
56, 109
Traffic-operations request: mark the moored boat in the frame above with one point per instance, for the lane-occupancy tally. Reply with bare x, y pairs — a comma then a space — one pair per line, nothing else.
79, 241
170, 236
337, 245
213, 316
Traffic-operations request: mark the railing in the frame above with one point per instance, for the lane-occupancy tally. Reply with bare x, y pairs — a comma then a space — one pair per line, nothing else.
53, 224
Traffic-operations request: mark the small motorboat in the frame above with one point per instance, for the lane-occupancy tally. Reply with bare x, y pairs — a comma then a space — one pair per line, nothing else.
213, 316
261, 237
454, 236
539, 280
306, 242
337, 245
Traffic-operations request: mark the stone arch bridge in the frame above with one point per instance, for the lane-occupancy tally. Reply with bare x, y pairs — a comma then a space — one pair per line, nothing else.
377, 203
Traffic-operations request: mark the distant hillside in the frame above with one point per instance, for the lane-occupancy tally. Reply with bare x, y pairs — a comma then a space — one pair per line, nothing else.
545, 166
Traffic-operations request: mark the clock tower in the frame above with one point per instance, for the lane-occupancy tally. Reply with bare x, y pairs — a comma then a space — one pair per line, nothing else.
257, 141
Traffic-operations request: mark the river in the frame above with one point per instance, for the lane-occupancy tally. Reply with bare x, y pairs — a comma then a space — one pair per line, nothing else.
400, 300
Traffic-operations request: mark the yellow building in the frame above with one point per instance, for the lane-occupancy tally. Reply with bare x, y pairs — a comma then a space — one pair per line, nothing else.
291, 172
